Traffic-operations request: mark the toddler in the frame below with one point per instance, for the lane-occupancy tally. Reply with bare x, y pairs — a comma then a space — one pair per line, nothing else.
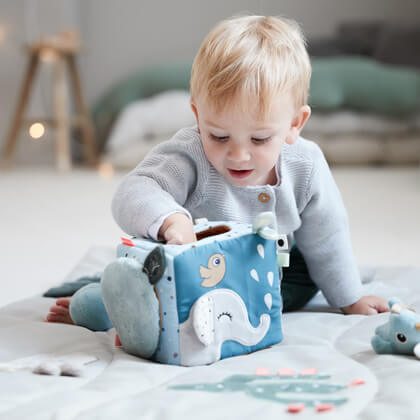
249, 89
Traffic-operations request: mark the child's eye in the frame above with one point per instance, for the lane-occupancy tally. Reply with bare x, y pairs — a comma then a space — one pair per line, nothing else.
219, 138
261, 141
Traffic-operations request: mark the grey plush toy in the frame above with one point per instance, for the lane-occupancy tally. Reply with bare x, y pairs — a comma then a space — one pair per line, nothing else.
131, 302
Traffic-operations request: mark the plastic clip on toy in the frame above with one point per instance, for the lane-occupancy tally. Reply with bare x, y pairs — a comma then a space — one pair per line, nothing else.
261, 226
401, 334
197, 303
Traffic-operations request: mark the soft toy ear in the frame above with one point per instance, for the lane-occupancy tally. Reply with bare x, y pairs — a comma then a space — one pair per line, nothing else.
396, 308
203, 320
416, 350
418, 326
155, 264
394, 300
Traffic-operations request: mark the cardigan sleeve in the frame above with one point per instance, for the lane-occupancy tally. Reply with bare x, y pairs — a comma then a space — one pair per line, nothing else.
168, 180
324, 238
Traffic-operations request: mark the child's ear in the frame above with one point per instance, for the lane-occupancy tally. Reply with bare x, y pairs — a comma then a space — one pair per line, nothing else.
194, 109
302, 115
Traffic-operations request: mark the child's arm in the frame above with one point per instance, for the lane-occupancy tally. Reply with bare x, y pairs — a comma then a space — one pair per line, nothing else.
168, 181
324, 238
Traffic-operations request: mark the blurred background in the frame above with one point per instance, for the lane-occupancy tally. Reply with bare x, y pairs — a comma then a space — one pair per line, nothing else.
88, 87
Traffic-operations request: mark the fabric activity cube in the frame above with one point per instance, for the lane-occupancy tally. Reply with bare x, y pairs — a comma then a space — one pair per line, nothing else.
219, 296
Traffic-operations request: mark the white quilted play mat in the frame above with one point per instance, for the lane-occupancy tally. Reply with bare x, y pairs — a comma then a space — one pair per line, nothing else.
325, 360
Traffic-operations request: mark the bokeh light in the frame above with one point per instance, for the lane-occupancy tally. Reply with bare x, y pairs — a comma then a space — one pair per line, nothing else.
36, 130
105, 170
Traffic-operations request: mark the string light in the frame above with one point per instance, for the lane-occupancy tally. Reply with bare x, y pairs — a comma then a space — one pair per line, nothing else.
36, 130
2, 34
105, 170
48, 55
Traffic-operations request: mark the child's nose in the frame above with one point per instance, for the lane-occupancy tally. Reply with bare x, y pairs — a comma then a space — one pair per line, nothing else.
238, 153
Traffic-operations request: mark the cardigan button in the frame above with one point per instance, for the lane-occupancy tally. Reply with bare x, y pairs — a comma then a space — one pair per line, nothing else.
264, 197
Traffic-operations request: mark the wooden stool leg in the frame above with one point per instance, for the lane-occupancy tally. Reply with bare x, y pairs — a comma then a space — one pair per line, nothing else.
87, 128
62, 120
20, 108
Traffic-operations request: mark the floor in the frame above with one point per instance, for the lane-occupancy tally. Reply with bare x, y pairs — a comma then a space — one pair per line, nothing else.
48, 221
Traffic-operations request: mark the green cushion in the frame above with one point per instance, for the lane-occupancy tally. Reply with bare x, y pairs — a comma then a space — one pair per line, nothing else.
144, 83
363, 84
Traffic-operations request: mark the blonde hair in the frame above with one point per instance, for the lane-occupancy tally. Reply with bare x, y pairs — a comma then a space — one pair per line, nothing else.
251, 58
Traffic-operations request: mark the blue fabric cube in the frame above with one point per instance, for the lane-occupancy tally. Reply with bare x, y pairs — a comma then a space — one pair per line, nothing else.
219, 297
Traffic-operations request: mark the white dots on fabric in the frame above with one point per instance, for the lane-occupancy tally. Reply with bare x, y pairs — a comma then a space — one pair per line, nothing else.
260, 250
270, 278
268, 300
254, 274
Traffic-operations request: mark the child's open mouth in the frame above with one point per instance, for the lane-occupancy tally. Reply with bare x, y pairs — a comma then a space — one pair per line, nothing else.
240, 173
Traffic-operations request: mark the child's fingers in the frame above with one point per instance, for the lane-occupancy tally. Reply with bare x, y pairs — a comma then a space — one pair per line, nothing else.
57, 318
63, 302
379, 304
59, 310
174, 238
371, 311
382, 307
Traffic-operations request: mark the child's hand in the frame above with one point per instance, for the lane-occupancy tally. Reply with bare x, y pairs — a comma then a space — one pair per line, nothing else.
367, 305
177, 229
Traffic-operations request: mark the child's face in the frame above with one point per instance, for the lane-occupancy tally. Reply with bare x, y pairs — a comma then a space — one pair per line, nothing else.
245, 148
